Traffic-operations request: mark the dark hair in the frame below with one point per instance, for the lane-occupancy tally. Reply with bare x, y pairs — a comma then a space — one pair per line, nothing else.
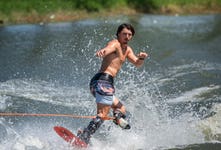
125, 25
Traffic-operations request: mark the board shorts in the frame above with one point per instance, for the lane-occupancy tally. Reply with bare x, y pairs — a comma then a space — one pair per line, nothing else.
102, 88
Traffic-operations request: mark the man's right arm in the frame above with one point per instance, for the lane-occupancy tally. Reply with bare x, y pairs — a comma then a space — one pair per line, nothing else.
108, 49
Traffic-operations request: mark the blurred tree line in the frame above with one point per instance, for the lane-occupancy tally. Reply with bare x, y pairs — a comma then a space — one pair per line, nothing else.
45, 6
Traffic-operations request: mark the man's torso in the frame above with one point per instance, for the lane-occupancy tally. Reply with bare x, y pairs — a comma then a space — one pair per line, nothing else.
112, 63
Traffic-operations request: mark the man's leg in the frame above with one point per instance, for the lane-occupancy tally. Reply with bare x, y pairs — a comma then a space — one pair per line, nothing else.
102, 111
119, 112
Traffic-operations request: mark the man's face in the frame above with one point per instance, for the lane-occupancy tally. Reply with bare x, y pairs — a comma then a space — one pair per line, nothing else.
125, 35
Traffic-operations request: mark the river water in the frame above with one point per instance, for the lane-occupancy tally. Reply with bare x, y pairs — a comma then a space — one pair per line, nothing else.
173, 101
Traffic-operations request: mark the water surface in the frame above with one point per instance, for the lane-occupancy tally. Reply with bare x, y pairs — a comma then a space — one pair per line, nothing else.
173, 101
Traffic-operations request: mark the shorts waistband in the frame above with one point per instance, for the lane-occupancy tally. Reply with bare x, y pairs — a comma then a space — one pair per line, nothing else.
104, 76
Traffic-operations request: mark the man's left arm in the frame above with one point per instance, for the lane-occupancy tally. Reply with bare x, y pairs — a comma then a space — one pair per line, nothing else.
137, 60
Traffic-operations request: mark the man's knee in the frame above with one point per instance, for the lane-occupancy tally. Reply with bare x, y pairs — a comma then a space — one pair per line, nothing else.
118, 105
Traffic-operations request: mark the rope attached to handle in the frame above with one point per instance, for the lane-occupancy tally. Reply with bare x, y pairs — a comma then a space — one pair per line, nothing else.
50, 115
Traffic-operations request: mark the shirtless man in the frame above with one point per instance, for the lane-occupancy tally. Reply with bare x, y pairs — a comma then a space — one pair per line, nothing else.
114, 55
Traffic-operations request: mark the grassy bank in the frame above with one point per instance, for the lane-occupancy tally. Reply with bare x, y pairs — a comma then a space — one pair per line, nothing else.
35, 11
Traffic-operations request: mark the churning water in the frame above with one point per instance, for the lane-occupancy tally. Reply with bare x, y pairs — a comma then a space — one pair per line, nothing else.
173, 101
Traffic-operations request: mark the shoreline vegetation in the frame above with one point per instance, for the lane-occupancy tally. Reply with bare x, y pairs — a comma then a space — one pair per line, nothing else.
46, 11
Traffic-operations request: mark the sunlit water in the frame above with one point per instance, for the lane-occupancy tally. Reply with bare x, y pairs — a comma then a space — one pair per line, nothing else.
173, 101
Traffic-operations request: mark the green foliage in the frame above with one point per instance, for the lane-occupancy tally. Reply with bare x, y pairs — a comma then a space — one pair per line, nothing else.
148, 5
45, 6
143, 5
160, 3
40, 6
89, 5
97, 5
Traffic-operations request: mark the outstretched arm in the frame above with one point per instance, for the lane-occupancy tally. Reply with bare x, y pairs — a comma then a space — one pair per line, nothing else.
109, 48
137, 60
